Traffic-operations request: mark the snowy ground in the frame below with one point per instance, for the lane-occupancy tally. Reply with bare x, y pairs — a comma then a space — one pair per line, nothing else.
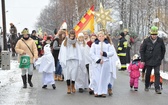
11, 91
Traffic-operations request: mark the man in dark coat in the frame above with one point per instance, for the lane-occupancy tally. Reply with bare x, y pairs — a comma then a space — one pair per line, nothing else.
152, 52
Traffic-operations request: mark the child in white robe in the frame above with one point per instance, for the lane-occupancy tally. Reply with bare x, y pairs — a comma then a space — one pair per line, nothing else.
101, 52
88, 60
47, 67
114, 65
82, 76
70, 58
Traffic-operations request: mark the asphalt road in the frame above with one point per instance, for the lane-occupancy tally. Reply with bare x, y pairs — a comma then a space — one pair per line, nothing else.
122, 95
14, 94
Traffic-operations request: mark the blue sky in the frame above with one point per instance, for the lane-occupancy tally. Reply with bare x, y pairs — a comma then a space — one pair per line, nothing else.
23, 13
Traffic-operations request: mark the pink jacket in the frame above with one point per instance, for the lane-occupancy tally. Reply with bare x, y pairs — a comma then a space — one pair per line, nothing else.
134, 69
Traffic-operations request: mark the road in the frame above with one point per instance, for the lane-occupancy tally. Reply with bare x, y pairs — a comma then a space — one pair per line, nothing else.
14, 94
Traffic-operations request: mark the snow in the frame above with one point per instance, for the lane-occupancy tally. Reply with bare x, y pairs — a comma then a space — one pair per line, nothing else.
11, 89
8, 76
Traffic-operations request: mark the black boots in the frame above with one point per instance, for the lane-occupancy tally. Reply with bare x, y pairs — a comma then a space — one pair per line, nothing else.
29, 80
24, 81
45, 86
53, 85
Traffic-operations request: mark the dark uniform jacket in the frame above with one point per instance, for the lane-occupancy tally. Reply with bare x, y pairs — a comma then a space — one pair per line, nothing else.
37, 41
122, 46
152, 53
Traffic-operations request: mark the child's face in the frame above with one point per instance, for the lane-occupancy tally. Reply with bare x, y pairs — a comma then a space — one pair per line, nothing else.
86, 35
72, 36
81, 38
101, 37
93, 38
63, 35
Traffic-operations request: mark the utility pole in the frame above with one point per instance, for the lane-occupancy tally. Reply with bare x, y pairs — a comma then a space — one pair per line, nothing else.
4, 24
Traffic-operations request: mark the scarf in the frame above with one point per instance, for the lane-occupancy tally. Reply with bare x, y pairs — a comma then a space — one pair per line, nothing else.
70, 41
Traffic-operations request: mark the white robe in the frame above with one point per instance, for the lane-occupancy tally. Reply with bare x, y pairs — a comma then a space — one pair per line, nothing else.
89, 61
46, 65
114, 63
101, 72
70, 58
82, 76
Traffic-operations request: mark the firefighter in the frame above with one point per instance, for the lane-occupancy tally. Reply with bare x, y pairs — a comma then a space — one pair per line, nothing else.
121, 50
37, 41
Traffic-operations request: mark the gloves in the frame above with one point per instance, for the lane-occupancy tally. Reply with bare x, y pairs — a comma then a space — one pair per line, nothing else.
98, 61
104, 54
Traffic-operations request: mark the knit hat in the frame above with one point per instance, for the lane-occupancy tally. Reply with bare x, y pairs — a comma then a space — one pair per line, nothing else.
136, 56
25, 31
154, 30
80, 34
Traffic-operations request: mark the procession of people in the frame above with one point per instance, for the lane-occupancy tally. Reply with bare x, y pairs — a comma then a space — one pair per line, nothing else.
88, 61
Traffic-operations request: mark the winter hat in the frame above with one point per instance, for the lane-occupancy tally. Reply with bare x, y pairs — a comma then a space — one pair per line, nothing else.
154, 30
122, 34
34, 31
80, 34
136, 56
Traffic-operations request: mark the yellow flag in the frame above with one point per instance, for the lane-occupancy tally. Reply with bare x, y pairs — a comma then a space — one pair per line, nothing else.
86, 23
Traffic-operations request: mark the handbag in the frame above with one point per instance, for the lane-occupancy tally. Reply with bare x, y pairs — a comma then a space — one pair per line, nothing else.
24, 61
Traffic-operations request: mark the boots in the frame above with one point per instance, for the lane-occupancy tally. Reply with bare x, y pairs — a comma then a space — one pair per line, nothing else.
69, 90
24, 81
59, 78
29, 80
56, 77
54, 87
73, 88
143, 76
110, 92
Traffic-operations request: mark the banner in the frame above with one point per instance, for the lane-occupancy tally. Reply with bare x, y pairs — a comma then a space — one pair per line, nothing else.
86, 23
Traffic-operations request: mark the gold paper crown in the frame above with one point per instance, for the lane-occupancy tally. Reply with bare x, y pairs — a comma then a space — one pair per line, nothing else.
25, 31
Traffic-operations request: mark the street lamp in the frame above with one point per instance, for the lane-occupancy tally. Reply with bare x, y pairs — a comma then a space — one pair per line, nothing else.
121, 23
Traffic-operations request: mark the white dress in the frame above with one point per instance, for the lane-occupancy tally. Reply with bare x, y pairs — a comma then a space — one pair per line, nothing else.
82, 76
89, 61
46, 66
70, 58
115, 63
101, 72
